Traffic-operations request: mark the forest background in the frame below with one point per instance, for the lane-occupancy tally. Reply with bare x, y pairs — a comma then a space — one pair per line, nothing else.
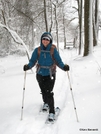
76, 21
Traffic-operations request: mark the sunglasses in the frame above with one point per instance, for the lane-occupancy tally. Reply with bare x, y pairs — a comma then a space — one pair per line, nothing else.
45, 39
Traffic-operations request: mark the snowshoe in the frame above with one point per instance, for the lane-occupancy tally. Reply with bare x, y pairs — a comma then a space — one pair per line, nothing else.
45, 108
53, 117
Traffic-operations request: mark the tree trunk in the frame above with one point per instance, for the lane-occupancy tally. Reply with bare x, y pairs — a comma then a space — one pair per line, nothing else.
45, 15
88, 27
56, 27
95, 23
80, 7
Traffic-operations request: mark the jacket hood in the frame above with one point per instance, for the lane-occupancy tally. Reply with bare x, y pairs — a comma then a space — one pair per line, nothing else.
46, 34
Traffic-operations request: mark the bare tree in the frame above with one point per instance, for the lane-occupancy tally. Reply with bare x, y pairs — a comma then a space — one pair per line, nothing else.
95, 21
88, 27
45, 15
80, 15
57, 8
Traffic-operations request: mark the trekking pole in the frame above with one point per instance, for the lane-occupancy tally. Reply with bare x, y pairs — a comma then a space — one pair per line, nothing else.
23, 96
72, 97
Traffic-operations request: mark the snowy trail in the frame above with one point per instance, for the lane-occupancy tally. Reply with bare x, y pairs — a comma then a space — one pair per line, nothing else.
14, 78
86, 89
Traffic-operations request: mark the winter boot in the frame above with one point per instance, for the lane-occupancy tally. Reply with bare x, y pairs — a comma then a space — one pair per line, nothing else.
45, 107
51, 117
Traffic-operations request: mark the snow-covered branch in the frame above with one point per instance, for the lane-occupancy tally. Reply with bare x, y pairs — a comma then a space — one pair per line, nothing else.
16, 38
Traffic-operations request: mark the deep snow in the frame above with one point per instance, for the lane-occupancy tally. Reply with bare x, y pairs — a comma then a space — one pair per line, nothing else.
85, 77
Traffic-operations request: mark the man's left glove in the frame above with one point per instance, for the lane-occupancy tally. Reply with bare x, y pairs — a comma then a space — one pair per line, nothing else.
66, 68
26, 67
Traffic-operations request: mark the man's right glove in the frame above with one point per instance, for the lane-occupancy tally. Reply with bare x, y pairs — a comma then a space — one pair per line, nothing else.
66, 67
26, 67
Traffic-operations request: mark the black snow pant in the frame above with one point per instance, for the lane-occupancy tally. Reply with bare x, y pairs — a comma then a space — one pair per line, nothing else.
46, 85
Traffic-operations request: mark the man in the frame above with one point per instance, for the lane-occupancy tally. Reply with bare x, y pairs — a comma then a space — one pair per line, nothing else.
47, 57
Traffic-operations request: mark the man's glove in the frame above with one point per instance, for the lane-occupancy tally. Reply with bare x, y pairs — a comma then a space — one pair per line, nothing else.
26, 67
66, 68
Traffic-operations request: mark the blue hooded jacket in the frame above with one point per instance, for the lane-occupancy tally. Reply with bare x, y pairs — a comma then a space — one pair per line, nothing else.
45, 58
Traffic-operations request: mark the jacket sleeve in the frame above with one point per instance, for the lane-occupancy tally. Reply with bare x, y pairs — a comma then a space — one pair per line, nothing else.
33, 59
58, 59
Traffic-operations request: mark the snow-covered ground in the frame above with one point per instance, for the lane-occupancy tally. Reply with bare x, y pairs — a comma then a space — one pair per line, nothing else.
85, 77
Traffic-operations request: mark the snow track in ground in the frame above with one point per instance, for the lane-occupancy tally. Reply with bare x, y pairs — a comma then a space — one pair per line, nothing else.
86, 85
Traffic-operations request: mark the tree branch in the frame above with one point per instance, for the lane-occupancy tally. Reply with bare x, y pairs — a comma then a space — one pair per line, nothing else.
16, 38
